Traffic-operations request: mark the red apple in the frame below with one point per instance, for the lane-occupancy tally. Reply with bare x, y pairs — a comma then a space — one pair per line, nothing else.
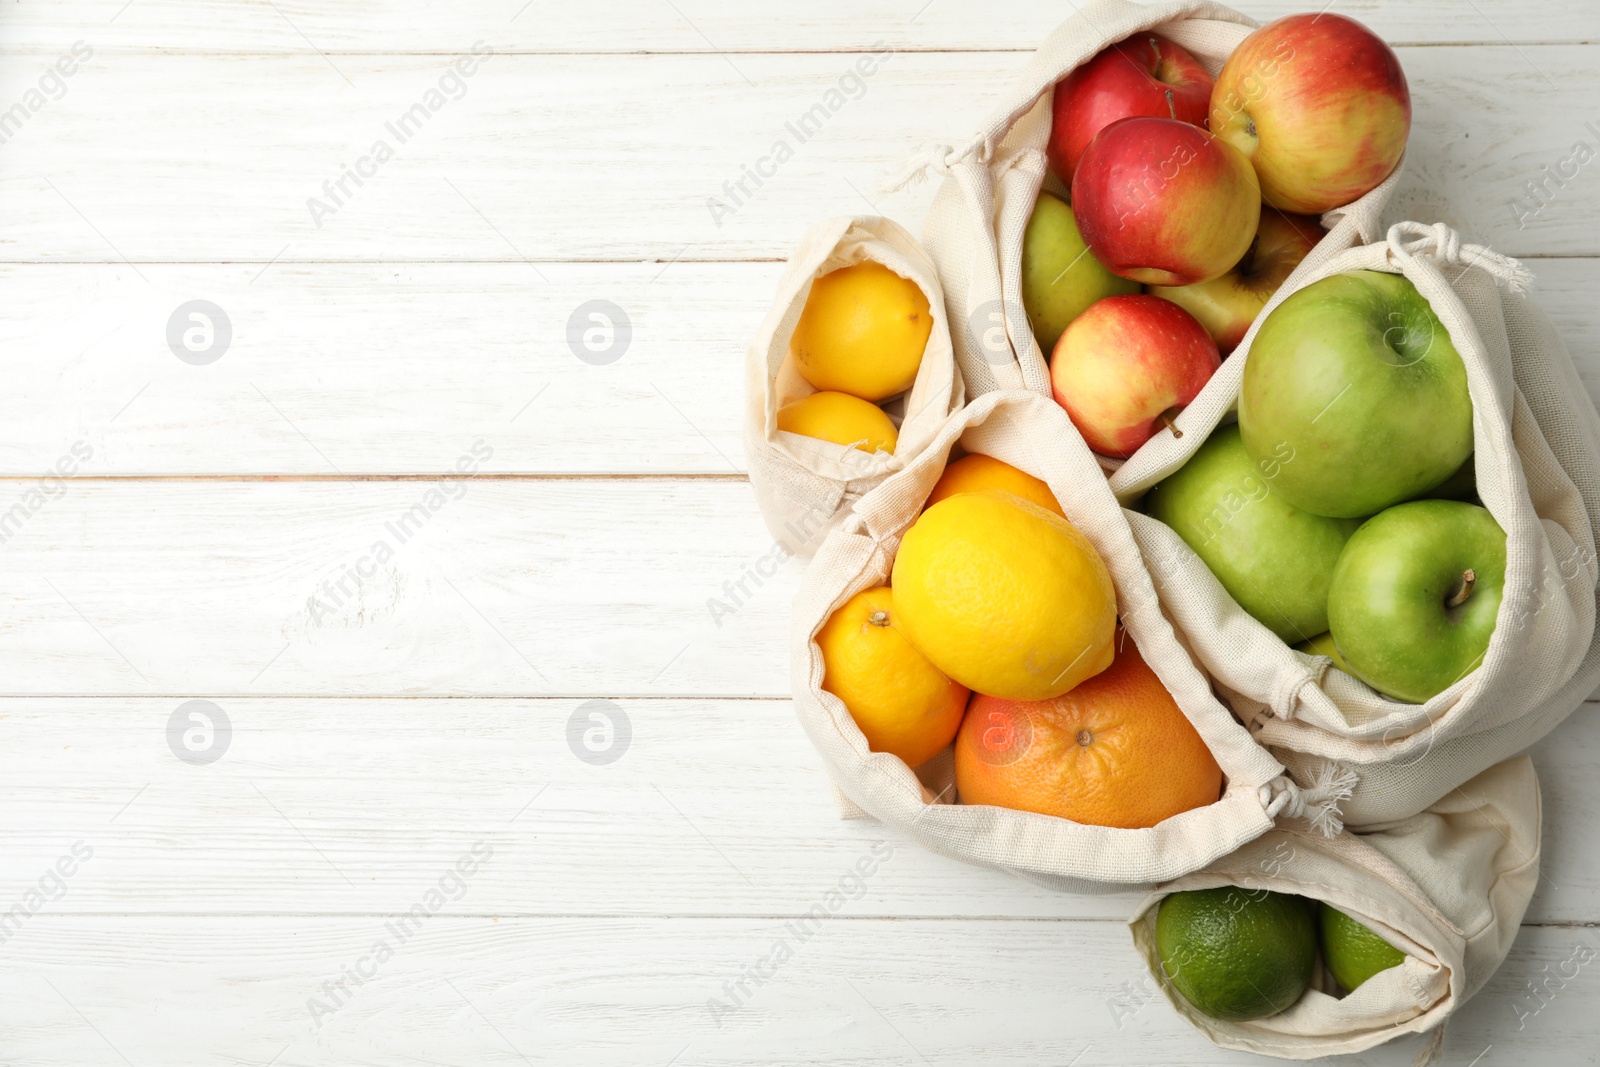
1319, 104
1144, 75
1164, 202
1127, 366
1226, 306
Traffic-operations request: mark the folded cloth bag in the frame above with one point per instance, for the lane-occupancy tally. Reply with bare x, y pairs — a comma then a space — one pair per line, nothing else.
804, 486
1537, 456
975, 227
1032, 433
1447, 887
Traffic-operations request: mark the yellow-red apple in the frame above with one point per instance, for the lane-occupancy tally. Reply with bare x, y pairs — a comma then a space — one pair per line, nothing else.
1226, 306
1164, 202
1127, 366
1319, 104
1144, 75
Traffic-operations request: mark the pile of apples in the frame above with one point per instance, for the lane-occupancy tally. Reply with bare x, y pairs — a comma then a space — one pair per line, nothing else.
1201, 191
1338, 511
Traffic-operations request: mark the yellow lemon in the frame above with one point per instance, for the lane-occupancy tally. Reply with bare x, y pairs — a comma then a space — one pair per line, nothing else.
862, 332
842, 419
976, 471
902, 703
1005, 597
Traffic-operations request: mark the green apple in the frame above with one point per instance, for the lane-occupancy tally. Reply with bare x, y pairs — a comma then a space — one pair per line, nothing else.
1462, 485
1324, 645
1273, 558
1356, 375
1060, 277
1415, 594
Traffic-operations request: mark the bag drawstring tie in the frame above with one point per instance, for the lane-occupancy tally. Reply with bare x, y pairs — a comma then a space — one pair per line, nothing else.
939, 158
1407, 240
1318, 802
1433, 1049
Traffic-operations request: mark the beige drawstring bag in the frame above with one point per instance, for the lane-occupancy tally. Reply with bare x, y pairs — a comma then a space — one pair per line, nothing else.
975, 227
1032, 433
1447, 887
805, 486
1537, 440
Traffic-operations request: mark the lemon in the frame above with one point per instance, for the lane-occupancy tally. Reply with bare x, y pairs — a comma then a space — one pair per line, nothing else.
863, 332
901, 702
1005, 597
985, 472
842, 419
1237, 954
1352, 951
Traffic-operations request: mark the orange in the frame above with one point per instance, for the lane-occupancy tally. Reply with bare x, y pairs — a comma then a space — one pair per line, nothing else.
901, 702
842, 419
976, 471
1005, 597
1115, 751
863, 331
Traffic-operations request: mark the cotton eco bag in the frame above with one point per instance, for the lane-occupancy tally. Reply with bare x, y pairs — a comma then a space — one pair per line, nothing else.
1032, 433
1537, 455
803, 485
1447, 887
975, 227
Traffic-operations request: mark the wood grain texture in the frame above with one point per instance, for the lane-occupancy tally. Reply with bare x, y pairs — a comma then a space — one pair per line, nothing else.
376, 369
340, 588
484, 991
337, 26
532, 162
384, 726
333, 807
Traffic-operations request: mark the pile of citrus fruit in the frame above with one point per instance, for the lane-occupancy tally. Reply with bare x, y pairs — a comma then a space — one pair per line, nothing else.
1239, 954
998, 630
859, 341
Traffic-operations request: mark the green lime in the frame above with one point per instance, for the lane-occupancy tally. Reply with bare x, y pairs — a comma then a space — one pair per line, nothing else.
1353, 952
1237, 954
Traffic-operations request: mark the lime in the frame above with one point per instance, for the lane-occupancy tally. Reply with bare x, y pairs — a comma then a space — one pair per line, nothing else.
1237, 954
1352, 951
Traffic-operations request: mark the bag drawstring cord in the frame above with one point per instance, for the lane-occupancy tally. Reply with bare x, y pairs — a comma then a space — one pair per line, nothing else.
939, 158
1407, 240
1318, 802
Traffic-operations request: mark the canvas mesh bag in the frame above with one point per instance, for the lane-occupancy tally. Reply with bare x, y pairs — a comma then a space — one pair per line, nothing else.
1537, 455
804, 486
1032, 433
975, 227
1447, 887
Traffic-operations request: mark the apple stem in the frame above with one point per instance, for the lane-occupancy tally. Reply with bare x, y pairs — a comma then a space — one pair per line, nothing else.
878, 618
1169, 419
1172, 107
1458, 595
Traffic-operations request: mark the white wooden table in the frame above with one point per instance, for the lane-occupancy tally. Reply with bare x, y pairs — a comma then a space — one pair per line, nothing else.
401, 690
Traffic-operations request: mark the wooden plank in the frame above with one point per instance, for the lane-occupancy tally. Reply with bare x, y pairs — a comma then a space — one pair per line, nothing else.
392, 588
533, 162
708, 808
372, 369
712, 808
692, 25
376, 369
487, 991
